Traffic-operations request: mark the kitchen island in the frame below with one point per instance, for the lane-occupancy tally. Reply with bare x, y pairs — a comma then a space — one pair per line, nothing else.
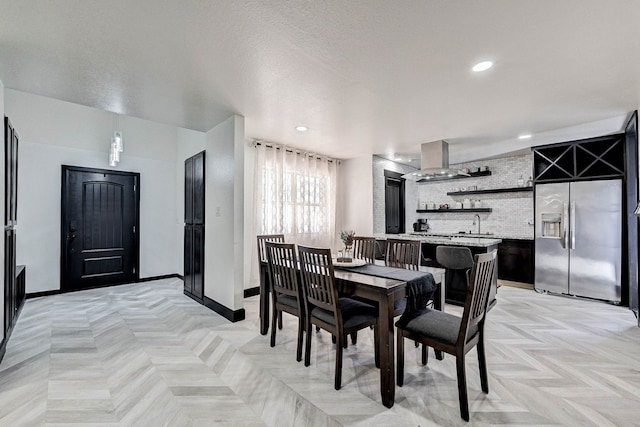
455, 283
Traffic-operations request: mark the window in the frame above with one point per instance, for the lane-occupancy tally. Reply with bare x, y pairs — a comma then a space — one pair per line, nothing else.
294, 203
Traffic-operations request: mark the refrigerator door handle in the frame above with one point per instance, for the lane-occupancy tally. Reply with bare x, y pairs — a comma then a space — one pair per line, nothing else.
572, 230
565, 236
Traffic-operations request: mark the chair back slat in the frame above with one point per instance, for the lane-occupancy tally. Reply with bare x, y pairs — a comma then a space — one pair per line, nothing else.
475, 307
318, 278
403, 254
364, 248
262, 239
281, 261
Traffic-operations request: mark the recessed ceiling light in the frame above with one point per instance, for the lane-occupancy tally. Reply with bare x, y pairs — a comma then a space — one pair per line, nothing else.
302, 128
482, 66
525, 136
397, 159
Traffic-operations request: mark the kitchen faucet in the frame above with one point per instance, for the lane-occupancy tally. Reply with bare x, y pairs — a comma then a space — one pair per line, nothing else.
474, 221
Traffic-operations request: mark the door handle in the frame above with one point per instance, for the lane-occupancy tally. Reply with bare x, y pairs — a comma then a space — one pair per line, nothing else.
572, 230
565, 235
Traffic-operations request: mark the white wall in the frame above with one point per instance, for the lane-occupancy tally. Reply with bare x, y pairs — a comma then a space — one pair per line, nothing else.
54, 133
355, 200
249, 232
2, 113
410, 193
224, 213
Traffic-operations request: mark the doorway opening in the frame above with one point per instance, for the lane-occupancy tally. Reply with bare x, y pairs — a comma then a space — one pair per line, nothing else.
394, 218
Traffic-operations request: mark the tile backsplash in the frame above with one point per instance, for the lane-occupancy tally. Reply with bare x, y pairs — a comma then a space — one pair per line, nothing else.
512, 213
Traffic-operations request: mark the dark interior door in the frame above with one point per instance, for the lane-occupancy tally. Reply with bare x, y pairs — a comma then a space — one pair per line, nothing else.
99, 227
393, 202
194, 179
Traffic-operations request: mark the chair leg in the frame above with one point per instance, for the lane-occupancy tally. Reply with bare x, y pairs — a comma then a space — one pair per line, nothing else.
338, 381
307, 347
482, 365
400, 362
439, 354
425, 354
273, 326
333, 338
354, 338
462, 387
376, 344
299, 346
279, 320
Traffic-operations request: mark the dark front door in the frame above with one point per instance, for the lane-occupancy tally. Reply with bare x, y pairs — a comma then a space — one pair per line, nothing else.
99, 227
393, 202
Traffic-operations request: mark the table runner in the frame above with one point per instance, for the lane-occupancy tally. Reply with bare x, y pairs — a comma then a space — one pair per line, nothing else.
420, 284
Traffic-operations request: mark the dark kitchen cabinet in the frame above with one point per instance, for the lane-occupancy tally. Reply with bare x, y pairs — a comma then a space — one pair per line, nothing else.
592, 158
194, 191
14, 289
515, 260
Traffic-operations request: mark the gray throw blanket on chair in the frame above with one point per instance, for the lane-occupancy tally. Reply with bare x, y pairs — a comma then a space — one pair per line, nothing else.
419, 293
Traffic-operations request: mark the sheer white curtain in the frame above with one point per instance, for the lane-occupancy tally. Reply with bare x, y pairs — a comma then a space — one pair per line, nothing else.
294, 195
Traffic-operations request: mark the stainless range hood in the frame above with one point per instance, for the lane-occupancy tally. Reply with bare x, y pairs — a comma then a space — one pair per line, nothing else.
434, 163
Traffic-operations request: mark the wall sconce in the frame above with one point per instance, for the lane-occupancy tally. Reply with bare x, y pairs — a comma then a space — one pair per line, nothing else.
117, 147
637, 211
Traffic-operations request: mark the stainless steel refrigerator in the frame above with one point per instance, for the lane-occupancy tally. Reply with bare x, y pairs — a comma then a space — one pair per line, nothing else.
578, 238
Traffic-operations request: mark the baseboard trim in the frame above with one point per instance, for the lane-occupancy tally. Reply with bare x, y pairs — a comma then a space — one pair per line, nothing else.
227, 313
165, 276
42, 294
252, 292
64, 291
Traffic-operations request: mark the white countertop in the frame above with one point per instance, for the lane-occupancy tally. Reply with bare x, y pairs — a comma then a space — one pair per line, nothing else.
482, 242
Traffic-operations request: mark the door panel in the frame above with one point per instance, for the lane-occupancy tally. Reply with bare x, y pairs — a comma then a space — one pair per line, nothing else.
188, 191
198, 188
198, 261
99, 223
552, 256
188, 257
595, 261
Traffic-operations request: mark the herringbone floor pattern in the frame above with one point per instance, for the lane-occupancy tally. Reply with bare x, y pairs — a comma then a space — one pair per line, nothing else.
146, 355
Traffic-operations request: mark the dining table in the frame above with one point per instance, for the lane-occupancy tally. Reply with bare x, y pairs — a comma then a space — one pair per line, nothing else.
381, 290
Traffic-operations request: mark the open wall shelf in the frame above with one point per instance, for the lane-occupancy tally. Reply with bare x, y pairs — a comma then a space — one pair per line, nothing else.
453, 210
492, 190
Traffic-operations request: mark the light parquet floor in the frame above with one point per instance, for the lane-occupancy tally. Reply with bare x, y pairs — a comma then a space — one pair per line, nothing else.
146, 355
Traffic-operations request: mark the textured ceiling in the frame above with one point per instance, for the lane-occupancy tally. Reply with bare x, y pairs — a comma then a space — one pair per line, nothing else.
367, 76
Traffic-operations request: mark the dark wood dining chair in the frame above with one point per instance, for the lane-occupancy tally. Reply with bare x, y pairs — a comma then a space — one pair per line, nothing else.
286, 291
262, 261
452, 334
364, 248
403, 253
338, 316
264, 238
